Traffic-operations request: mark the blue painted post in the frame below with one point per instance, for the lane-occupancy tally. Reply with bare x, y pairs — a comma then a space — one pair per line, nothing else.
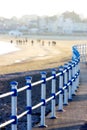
76, 74
85, 53
79, 49
43, 97
29, 102
73, 77
60, 105
14, 104
82, 53
84, 50
53, 102
79, 72
65, 84
70, 78
75, 71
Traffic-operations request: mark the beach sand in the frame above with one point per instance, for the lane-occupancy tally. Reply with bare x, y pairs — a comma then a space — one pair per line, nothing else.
36, 56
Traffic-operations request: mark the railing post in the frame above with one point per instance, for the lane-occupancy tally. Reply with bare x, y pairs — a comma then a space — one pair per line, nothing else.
75, 75
14, 104
65, 84
73, 78
84, 45
43, 97
86, 52
80, 52
70, 80
60, 105
29, 103
53, 102
77, 61
79, 72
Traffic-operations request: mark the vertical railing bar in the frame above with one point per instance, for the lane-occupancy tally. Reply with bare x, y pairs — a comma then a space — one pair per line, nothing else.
65, 84
73, 76
70, 78
43, 97
53, 101
14, 104
29, 102
60, 105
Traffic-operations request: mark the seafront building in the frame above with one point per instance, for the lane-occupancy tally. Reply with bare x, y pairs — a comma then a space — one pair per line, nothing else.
43, 25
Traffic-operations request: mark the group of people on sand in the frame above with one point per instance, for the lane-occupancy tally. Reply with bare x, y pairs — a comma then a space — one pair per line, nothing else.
25, 41
20, 42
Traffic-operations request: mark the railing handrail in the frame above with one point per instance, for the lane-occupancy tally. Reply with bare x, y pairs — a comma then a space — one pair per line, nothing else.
33, 84
25, 87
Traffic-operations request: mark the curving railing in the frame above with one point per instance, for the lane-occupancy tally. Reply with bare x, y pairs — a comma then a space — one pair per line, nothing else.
82, 49
68, 77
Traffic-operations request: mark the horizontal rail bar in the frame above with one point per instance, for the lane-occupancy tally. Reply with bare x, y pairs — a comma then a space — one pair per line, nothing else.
6, 123
58, 93
6, 94
22, 89
38, 105
22, 114
58, 74
37, 83
49, 78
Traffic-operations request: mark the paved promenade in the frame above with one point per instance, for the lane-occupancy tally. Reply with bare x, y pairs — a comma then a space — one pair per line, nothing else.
74, 116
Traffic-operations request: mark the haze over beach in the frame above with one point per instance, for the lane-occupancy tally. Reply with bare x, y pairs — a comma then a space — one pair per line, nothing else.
19, 8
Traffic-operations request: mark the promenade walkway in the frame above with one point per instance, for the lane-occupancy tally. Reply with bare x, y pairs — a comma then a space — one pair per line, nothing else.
74, 116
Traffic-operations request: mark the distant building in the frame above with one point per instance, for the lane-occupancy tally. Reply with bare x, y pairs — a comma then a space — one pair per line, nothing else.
68, 26
52, 26
33, 30
80, 28
15, 33
65, 26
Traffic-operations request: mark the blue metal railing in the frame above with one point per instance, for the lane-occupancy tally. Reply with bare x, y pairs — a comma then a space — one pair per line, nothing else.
68, 76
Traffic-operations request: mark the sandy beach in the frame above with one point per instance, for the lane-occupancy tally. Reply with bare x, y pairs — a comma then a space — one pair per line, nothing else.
39, 55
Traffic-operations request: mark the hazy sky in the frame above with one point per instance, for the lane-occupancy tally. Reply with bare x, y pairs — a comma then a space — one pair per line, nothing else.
18, 8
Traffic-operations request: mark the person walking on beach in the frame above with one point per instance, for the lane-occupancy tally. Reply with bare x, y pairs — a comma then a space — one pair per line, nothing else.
11, 41
32, 42
42, 43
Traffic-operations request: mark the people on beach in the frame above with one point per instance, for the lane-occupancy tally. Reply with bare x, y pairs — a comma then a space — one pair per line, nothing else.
21, 42
11, 41
32, 42
53, 43
42, 42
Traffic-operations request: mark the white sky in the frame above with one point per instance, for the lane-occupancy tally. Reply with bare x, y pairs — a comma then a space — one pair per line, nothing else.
18, 8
